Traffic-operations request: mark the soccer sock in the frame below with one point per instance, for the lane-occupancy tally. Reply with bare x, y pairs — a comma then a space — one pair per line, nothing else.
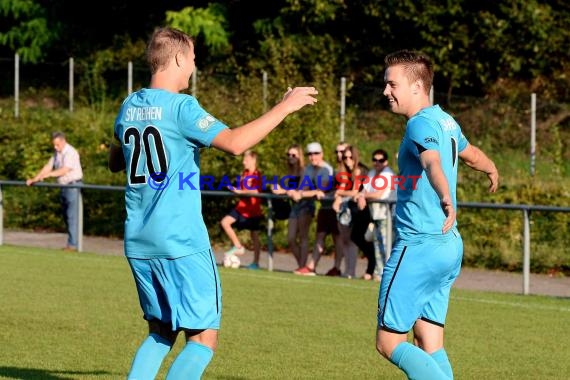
440, 357
190, 362
149, 357
416, 363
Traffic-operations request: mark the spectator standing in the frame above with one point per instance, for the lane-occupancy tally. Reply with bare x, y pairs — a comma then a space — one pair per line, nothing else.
65, 166
338, 254
344, 205
166, 241
247, 214
322, 180
301, 212
379, 187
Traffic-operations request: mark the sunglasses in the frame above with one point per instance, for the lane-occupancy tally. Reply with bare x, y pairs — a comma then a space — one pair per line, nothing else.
347, 157
291, 155
313, 153
381, 160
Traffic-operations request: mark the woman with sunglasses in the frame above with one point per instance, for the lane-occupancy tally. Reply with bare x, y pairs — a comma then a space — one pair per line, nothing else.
301, 213
352, 233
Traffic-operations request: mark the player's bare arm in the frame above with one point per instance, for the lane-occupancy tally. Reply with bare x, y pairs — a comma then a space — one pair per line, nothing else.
116, 158
238, 140
431, 163
476, 159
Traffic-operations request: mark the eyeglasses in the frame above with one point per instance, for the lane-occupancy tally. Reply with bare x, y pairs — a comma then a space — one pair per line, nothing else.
313, 153
291, 155
381, 160
347, 158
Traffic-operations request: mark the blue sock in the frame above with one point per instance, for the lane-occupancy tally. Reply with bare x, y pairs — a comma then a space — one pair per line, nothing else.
440, 357
149, 357
416, 363
191, 362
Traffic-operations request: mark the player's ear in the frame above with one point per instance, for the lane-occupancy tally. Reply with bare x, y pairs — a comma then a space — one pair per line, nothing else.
179, 59
417, 87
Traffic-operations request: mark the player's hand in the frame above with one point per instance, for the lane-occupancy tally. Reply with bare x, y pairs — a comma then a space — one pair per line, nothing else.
298, 97
30, 182
449, 211
494, 179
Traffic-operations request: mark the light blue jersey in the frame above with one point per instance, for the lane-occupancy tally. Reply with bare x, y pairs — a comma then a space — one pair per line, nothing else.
161, 135
418, 211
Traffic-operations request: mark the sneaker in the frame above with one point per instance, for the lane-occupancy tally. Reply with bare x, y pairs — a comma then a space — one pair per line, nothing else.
305, 271
367, 277
334, 272
235, 251
253, 266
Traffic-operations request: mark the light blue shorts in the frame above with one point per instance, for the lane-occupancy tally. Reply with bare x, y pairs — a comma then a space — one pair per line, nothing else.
184, 292
416, 282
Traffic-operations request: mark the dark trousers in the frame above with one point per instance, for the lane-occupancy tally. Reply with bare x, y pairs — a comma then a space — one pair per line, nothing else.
360, 221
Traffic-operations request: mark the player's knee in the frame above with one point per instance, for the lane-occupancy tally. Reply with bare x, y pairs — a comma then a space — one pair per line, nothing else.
162, 329
206, 337
381, 349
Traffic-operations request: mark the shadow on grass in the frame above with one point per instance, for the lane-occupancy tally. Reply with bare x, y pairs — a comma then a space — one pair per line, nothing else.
45, 374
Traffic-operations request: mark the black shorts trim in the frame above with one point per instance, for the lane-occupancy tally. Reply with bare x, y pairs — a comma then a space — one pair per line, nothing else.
432, 322
385, 328
390, 286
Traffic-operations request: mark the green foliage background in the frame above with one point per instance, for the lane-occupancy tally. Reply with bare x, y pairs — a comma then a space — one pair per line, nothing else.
497, 53
492, 238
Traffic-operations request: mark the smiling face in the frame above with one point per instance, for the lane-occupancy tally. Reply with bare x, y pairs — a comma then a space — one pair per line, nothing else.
399, 91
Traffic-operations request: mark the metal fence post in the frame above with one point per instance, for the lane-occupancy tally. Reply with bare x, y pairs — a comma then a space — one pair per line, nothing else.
79, 220
526, 252
16, 85
129, 77
71, 85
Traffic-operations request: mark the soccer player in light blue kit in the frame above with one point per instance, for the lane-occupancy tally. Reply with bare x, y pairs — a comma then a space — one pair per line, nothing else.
167, 246
426, 257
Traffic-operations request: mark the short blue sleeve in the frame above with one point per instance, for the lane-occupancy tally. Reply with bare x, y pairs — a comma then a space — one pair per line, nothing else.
198, 125
424, 133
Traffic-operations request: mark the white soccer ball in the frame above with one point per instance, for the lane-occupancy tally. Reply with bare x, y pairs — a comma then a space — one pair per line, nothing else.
232, 261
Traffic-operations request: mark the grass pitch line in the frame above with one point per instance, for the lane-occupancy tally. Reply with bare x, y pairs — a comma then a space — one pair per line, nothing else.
512, 304
348, 284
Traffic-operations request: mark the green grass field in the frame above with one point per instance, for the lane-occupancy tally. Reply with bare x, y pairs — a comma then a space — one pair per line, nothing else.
76, 316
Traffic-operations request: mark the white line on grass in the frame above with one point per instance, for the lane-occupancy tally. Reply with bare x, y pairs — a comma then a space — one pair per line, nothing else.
348, 284
513, 304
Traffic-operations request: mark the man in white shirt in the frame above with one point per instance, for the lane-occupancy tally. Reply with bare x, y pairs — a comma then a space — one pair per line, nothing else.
379, 187
65, 166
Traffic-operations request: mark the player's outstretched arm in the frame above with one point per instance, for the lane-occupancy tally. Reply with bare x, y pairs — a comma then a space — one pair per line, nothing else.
238, 140
476, 159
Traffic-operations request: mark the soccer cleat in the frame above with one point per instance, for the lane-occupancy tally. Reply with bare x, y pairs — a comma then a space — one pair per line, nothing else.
305, 271
253, 266
235, 251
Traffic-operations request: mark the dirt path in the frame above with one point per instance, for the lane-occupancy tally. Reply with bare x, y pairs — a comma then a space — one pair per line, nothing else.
470, 278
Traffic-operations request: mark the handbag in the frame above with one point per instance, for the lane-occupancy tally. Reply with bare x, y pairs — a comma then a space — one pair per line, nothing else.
369, 234
281, 208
